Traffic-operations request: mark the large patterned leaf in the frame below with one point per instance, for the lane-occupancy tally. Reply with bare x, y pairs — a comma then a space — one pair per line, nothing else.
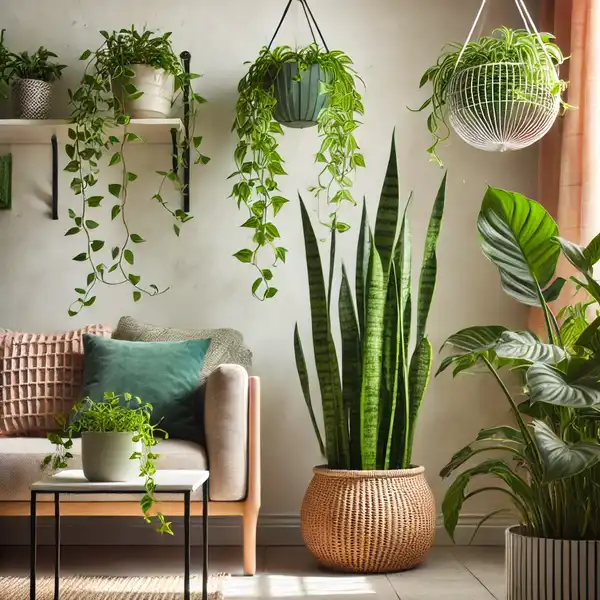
549, 385
524, 345
303, 375
324, 351
351, 367
372, 356
577, 256
517, 236
476, 339
563, 460
428, 275
386, 223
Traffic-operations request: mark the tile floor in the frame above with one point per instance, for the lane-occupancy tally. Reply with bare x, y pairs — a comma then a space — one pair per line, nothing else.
289, 572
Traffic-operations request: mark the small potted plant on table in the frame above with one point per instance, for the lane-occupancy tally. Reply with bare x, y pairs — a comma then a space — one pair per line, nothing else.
117, 438
370, 508
32, 76
548, 465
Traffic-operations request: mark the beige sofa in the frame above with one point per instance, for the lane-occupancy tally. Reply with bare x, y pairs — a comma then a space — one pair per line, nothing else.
231, 453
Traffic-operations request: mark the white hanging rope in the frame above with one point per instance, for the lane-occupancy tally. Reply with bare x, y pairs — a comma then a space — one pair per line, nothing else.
479, 13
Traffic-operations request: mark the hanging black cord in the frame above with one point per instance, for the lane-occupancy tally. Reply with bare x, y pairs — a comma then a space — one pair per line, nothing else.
309, 16
308, 21
305, 3
285, 12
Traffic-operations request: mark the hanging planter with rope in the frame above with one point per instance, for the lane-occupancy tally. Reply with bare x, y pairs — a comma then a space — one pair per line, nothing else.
310, 86
498, 93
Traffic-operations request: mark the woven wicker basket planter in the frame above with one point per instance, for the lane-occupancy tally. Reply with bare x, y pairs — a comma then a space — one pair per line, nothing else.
368, 521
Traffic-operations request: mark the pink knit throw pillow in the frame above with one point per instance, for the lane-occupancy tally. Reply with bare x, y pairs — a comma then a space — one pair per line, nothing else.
41, 377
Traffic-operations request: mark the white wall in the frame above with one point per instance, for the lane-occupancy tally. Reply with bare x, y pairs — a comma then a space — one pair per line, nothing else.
392, 43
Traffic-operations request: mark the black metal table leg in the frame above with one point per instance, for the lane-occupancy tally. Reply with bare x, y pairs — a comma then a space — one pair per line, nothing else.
205, 540
187, 544
56, 546
32, 544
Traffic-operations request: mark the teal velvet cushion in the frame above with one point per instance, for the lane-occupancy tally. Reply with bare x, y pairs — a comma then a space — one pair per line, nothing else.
165, 374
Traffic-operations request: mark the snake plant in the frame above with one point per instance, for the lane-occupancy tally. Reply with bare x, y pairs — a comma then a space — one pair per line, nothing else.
370, 408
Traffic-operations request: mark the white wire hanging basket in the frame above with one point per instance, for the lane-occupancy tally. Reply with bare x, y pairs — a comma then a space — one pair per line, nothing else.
504, 106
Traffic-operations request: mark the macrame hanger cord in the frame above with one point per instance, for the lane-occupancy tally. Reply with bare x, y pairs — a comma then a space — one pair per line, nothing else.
309, 16
530, 25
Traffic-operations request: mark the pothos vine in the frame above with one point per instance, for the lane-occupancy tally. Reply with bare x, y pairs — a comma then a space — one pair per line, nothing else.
259, 164
99, 128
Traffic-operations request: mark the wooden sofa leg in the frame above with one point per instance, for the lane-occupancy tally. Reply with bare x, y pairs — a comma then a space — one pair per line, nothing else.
250, 522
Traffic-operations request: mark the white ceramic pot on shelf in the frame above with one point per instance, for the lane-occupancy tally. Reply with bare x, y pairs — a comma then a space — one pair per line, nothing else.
157, 87
106, 456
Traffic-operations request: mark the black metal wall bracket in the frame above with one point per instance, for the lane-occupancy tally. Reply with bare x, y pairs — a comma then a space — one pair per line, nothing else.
54, 144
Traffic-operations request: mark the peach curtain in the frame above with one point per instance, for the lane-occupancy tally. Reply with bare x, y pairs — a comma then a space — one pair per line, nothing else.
569, 170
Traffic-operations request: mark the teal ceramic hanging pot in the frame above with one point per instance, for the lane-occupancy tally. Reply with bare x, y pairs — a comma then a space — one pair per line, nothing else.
299, 102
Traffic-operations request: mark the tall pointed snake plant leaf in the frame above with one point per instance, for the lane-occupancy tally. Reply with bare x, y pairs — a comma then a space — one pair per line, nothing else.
362, 266
563, 460
525, 345
372, 355
418, 379
324, 350
392, 334
549, 385
517, 236
428, 275
351, 367
386, 224
303, 375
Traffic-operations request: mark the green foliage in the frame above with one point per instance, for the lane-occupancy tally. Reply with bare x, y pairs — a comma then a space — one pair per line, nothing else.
119, 413
100, 129
4, 64
259, 164
371, 411
503, 46
549, 467
35, 66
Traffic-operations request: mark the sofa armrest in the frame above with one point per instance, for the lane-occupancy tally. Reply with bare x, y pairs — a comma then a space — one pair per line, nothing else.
231, 433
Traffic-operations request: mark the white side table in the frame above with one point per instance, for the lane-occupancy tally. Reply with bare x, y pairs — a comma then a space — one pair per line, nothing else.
72, 481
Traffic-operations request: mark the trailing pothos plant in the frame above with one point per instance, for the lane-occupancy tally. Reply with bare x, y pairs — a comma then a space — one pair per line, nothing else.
100, 128
259, 164
549, 463
122, 413
538, 57
370, 409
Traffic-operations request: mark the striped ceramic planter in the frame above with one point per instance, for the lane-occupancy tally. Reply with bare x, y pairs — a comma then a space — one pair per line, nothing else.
299, 102
546, 569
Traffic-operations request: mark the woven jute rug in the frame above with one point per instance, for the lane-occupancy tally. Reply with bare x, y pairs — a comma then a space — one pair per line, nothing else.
110, 588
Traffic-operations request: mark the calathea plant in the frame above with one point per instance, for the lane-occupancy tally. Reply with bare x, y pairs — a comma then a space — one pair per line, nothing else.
548, 467
370, 409
101, 129
121, 414
334, 103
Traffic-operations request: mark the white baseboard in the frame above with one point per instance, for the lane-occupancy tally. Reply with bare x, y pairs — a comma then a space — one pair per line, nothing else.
273, 530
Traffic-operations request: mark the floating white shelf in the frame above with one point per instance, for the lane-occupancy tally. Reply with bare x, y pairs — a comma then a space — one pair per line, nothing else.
25, 131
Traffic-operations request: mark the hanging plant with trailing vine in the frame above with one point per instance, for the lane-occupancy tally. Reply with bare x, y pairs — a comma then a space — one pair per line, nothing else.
259, 164
101, 130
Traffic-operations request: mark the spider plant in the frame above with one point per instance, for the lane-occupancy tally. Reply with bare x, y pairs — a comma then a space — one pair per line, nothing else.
539, 59
549, 463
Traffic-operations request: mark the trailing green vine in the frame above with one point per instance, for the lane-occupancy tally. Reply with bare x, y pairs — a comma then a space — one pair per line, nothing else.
100, 128
116, 413
259, 164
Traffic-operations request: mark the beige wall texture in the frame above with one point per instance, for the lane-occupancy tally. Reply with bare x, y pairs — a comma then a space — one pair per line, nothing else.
392, 42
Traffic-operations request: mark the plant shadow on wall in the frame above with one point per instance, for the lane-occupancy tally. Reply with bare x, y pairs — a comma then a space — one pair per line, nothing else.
130, 75
549, 465
311, 86
370, 488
